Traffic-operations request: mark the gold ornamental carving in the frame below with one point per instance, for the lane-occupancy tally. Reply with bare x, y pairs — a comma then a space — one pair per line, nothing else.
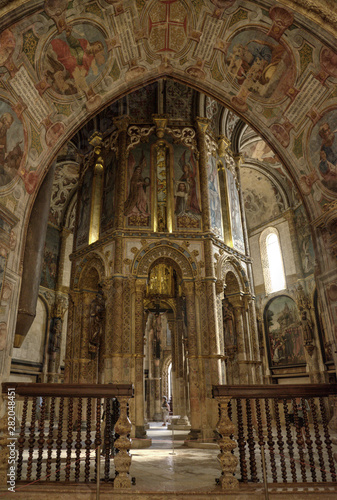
228, 461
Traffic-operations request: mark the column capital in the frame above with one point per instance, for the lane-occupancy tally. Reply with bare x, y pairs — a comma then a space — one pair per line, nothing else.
160, 122
223, 145
202, 124
238, 158
122, 122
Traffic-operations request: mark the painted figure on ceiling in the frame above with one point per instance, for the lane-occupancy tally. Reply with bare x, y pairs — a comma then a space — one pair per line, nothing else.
328, 157
79, 58
9, 160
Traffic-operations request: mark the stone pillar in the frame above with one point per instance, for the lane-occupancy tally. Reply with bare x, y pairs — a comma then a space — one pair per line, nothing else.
254, 336
85, 359
122, 123
193, 362
140, 287
68, 362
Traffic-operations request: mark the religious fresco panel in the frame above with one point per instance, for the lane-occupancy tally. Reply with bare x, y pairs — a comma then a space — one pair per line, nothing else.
214, 197
11, 144
51, 253
259, 65
83, 223
283, 333
75, 59
323, 155
187, 206
235, 212
137, 205
109, 190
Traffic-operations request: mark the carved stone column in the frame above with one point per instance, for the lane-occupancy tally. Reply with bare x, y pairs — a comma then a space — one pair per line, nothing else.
85, 358
228, 461
219, 288
254, 335
193, 361
114, 332
123, 444
201, 125
140, 288
241, 344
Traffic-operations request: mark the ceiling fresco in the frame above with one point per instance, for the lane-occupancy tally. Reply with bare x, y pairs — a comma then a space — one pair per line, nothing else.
67, 60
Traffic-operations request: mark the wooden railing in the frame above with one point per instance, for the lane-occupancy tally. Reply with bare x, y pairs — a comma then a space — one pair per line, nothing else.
61, 432
276, 433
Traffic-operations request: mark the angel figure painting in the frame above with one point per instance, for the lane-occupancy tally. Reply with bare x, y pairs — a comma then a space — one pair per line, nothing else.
75, 59
137, 205
261, 64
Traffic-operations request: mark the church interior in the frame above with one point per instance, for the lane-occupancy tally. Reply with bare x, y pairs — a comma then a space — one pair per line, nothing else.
168, 211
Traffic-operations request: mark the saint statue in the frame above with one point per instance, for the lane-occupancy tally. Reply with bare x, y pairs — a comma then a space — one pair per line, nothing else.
307, 328
97, 313
228, 323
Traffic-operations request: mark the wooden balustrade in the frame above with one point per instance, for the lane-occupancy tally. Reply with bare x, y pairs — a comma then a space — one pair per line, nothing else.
61, 430
290, 422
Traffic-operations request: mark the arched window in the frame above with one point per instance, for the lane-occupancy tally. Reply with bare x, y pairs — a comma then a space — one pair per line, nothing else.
272, 262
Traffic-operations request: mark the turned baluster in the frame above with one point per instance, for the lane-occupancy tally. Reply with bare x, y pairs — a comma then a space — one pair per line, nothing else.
88, 442
78, 444
308, 442
59, 440
107, 440
41, 438
290, 442
114, 419
31, 441
327, 440
50, 440
270, 442
299, 441
228, 461
98, 439
280, 443
241, 442
123, 444
22, 439
69, 437
251, 442
259, 427
318, 441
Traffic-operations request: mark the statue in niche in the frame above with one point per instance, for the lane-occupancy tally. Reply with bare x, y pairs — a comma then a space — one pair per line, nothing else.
156, 335
307, 328
56, 332
97, 313
228, 323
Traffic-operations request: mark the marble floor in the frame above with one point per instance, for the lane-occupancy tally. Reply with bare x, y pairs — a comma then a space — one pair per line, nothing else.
167, 467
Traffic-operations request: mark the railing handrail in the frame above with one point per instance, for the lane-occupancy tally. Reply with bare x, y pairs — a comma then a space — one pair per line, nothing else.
274, 391
69, 390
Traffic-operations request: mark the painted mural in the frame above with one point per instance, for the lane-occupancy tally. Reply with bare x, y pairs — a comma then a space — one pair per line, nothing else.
187, 208
179, 101
283, 332
11, 144
235, 212
136, 102
323, 150
261, 65
51, 252
109, 189
75, 58
137, 206
214, 197
305, 245
262, 199
83, 224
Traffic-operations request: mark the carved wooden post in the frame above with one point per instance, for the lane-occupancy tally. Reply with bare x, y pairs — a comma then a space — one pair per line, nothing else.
123, 459
228, 461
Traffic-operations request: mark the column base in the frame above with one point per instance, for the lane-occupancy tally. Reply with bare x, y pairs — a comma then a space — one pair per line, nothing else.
179, 424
